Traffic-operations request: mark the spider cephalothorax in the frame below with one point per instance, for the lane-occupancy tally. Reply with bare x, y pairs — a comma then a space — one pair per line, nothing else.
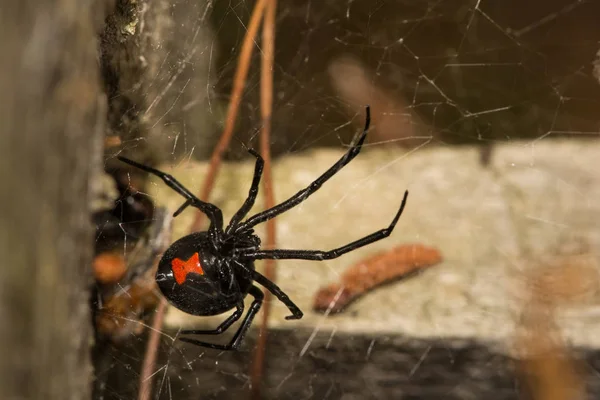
241, 242
211, 272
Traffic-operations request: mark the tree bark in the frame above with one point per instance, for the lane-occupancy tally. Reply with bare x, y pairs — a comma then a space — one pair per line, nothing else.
51, 114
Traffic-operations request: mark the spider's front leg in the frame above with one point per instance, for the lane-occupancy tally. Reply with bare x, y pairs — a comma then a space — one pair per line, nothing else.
320, 255
313, 187
241, 213
213, 212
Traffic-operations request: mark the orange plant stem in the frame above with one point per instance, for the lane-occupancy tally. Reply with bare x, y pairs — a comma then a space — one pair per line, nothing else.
266, 106
239, 81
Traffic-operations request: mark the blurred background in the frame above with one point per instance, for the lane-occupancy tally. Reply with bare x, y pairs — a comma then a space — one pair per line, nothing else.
486, 111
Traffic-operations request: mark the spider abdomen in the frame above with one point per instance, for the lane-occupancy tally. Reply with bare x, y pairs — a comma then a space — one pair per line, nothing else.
196, 280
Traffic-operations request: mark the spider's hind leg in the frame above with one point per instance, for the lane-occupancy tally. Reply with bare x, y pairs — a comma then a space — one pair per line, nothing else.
280, 294
221, 328
242, 330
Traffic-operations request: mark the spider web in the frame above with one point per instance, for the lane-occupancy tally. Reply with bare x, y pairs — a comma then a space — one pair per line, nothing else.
454, 81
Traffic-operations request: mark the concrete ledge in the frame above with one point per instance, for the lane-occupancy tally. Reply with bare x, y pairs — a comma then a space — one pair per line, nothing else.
493, 225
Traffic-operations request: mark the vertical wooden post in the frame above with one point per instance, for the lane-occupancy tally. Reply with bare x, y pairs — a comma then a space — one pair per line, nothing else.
51, 114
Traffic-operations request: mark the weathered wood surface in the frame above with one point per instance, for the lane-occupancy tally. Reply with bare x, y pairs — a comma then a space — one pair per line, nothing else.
50, 145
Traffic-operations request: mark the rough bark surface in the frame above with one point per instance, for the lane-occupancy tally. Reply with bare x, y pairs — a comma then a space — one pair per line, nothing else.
50, 146
155, 57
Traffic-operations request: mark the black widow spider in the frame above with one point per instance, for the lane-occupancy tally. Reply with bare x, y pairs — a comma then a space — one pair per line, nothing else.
211, 272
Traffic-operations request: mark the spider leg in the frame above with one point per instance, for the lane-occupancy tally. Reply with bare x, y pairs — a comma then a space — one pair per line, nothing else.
313, 187
277, 292
327, 255
221, 328
241, 213
213, 213
242, 330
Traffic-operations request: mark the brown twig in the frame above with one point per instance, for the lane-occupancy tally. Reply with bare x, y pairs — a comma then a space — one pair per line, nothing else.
145, 387
215, 162
372, 272
239, 81
266, 107
151, 352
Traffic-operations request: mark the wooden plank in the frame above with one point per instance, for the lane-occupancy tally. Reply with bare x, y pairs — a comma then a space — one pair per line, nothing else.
50, 146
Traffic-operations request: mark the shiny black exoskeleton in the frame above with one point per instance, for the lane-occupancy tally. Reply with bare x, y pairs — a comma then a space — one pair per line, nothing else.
211, 272
213, 288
